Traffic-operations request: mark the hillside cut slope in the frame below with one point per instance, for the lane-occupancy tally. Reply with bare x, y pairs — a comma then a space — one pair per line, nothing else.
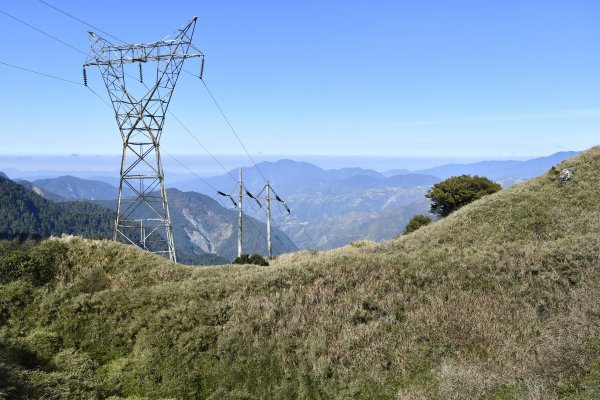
497, 301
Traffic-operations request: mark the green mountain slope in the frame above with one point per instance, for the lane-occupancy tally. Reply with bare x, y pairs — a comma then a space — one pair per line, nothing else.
497, 301
25, 212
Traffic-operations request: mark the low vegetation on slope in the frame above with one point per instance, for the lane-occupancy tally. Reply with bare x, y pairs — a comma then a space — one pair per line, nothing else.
497, 301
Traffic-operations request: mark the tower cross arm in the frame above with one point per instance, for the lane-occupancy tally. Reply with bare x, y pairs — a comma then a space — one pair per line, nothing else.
145, 52
174, 47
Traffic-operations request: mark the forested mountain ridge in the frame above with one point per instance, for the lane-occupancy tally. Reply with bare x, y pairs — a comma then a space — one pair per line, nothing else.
204, 231
25, 212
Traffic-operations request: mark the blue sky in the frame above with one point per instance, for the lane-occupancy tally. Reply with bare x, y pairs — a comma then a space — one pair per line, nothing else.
381, 78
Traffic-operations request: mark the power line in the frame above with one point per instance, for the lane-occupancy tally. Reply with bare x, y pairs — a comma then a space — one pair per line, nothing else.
42, 32
232, 129
169, 111
194, 174
60, 41
78, 50
191, 172
80, 20
100, 97
96, 28
201, 145
41, 73
312, 241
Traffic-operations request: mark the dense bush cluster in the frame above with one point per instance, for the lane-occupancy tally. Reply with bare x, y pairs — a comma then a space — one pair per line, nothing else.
256, 259
453, 193
416, 222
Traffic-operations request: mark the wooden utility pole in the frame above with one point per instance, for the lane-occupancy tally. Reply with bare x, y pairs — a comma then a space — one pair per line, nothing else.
241, 196
269, 245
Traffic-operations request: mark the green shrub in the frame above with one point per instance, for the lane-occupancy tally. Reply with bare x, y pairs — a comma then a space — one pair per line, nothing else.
457, 191
38, 266
416, 222
256, 259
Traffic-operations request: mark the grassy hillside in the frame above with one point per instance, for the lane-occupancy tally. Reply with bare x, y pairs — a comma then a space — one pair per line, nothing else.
497, 301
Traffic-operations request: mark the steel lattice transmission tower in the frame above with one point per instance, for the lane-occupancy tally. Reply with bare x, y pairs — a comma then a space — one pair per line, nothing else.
142, 212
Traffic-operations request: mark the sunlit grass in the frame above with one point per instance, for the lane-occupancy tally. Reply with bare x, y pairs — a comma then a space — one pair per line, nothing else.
497, 301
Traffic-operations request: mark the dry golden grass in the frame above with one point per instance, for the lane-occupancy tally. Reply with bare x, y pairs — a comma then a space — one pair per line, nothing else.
497, 301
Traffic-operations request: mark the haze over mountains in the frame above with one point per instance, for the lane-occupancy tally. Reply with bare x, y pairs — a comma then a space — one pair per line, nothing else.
330, 208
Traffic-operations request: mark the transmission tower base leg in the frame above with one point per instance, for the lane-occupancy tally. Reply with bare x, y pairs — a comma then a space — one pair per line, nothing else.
142, 209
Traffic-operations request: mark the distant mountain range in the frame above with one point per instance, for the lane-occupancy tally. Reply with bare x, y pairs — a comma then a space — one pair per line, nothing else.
330, 208
501, 170
73, 188
301, 177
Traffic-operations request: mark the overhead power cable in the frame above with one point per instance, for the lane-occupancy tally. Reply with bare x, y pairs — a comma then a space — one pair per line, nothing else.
277, 198
82, 52
202, 145
42, 32
170, 112
231, 128
40, 73
80, 20
59, 41
194, 174
106, 33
